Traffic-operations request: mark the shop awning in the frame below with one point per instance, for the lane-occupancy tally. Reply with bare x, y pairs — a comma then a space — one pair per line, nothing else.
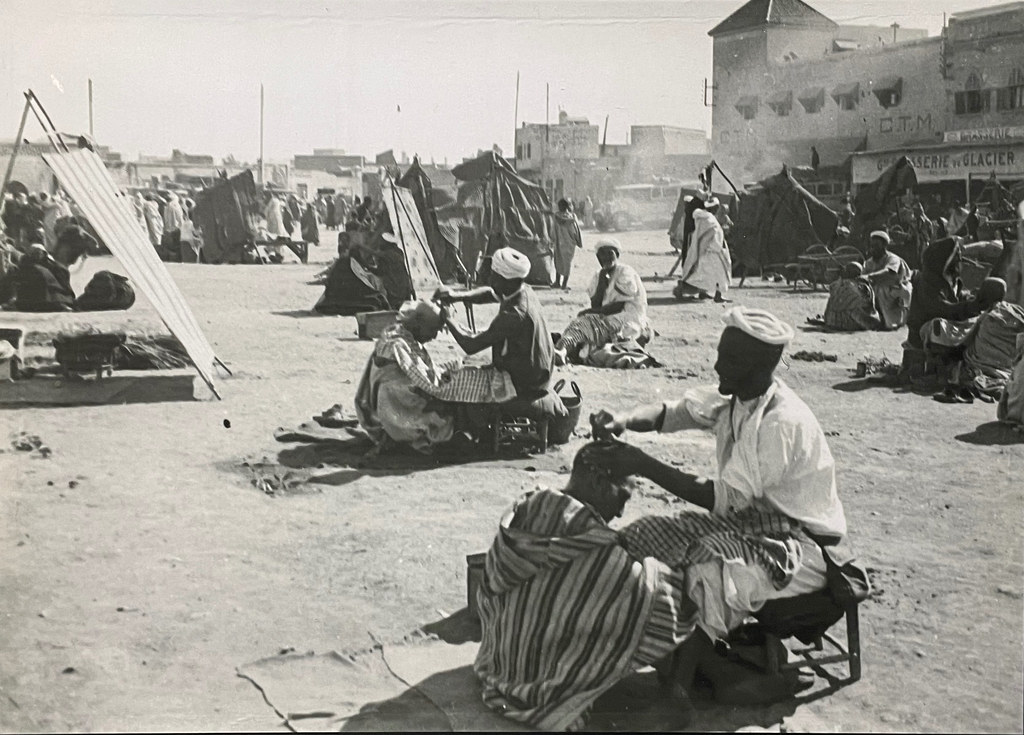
781, 98
847, 90
811, 93
887, 84
747, 100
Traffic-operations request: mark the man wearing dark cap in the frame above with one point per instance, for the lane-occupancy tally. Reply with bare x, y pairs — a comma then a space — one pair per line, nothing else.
773, 463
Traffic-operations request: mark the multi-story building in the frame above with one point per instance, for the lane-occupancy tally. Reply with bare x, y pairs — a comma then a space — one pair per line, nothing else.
569, 160
838, 103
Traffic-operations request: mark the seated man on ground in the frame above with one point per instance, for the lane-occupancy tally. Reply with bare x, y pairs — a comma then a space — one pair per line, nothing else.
707, 267
37, 284
351, 287
776, 476
403, 399
565, 610
938, 291
851, 302
889, 276
617, 313
981, 349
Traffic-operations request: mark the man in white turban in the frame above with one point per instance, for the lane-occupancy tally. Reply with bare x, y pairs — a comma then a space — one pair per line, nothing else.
773, 463
518, 337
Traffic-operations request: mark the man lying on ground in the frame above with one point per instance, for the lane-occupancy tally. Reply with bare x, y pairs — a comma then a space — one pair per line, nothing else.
402, 398
617, 313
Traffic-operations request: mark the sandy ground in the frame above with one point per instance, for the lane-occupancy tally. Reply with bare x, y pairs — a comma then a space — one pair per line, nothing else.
140, 566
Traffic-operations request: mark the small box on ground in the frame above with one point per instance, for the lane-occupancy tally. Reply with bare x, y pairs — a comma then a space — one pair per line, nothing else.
370, 324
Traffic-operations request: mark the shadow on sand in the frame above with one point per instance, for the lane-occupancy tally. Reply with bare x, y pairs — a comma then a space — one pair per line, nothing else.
993, 434
451, 699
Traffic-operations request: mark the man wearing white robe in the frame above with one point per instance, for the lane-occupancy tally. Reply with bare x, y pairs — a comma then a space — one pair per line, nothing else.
707, 268
772, 457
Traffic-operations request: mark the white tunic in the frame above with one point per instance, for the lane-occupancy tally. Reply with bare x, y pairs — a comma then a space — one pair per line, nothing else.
772, 454
627, 288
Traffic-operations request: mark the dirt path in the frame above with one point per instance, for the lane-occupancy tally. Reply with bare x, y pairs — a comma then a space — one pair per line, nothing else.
140, 566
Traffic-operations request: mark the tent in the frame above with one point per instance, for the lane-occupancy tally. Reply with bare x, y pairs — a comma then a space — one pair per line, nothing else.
391, 274
875, 202
227, 213
87, 181
446, 257
514, 212
778, 220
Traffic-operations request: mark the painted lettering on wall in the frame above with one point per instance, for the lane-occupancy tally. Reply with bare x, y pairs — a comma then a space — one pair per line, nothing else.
904, 123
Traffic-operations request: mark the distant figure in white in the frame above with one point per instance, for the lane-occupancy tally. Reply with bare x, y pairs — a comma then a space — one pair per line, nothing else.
707, 268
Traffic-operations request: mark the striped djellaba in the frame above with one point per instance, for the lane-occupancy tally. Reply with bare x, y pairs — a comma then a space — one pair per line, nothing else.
566, 612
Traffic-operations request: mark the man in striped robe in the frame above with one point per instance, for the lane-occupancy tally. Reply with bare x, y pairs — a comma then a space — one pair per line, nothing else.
566, 611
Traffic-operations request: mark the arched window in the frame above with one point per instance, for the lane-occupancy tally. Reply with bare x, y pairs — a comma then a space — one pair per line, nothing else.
973, 99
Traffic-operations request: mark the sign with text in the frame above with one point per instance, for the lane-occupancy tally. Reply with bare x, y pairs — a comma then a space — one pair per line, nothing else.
1009, 132
946, 163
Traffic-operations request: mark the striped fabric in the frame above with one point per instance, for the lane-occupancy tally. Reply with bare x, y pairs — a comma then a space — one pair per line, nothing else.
850, 306
111, 213
465, 385
593, 330
693, 537
566, 612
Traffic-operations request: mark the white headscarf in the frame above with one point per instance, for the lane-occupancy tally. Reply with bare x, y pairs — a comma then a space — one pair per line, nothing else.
510, 263
759, 324
882, 235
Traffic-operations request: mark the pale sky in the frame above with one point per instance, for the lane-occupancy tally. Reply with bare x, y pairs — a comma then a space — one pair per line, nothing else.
433, 78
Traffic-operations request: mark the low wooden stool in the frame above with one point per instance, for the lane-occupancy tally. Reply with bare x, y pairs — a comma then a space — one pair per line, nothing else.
809, 658
509, 429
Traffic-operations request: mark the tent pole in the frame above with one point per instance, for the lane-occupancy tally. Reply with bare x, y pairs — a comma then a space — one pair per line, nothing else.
37, 104
14, 156
401, 237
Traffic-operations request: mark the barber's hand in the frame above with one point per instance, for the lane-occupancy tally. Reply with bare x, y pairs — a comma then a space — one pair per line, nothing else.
622, 458
603, 425
444, 315
443, 295
585, 311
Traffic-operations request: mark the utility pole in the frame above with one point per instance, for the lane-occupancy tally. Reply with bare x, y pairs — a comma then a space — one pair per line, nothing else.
261, 134
515, 125
547, 130
894, 27
92, 134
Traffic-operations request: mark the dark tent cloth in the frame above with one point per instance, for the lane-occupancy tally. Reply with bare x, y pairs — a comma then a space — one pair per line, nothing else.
106, 291
346, 295
516, 213
936, 292
877, 200
446, 257
38, 286
227, 214
777, 221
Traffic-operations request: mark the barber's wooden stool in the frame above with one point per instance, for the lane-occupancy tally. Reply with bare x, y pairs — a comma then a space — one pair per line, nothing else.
525, 420
808, 618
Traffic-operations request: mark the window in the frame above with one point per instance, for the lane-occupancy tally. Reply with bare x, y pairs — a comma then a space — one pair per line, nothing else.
1011, 97
812, 99
529, 153
847, 96
889, 91
747, 106
781, 103
519, 151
